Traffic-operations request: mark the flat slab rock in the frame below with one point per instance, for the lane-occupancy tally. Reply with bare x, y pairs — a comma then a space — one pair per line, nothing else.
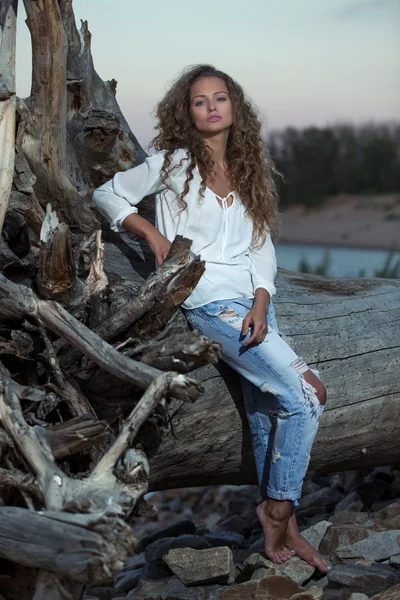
176, 590
315, 534
348, 578
378, 545
296, 569
197, 567
392, 593
159, 548
183, 527
272, 588
311, 594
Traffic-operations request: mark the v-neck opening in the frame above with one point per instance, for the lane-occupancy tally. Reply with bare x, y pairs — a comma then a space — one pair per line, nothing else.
219, 198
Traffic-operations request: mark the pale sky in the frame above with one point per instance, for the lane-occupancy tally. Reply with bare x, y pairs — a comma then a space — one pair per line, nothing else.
302, 62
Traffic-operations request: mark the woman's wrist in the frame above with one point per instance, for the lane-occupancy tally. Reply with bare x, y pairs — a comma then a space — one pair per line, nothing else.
262, 299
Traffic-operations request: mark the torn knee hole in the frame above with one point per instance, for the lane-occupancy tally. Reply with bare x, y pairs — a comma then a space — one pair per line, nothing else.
313, 397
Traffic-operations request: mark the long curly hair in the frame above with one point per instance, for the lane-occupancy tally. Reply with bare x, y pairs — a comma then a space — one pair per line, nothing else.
249, 168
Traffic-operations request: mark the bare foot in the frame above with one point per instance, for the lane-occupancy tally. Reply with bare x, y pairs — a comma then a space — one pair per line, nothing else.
295, 541
274, 517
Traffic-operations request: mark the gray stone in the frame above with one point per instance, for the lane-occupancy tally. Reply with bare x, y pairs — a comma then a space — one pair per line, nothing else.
104, 593
345, 579
156, 570
358, 596
350, 502
297, 569
309, 487
176, 590
315, 534
238, 505
379, 545
371, 491
233, 523
257, 561
147, 590
349, 517
314, 593
394, 561
271, 588
224, 538
179, 528
258, 544
392, 593
321, 583
212, 520
262, 573
241, 554
134, 562
325, 497
199, 567
158, 548
127, 580
389, 512
341, 535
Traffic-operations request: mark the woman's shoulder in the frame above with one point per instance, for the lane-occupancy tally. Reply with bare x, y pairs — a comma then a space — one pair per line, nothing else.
177, 156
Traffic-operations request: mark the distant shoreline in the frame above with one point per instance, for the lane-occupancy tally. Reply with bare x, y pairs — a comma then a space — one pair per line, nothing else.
346, 221
324, 244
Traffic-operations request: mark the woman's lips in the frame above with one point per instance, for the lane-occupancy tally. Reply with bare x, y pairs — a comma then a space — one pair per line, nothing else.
214, 118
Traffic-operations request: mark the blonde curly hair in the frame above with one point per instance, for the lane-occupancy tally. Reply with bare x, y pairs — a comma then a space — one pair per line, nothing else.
251, 171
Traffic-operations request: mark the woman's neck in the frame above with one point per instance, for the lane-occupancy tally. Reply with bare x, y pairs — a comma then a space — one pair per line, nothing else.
217, 145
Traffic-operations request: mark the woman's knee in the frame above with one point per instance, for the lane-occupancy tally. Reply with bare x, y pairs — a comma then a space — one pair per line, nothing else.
317, 384
321, 393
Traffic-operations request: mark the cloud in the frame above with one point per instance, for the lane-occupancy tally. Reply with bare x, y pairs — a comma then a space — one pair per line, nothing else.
354, 8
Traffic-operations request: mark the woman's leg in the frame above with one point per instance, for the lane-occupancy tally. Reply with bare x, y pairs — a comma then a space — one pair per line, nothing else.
276, 370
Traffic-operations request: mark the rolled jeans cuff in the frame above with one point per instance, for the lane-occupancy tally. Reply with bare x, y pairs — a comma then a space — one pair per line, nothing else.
280, 495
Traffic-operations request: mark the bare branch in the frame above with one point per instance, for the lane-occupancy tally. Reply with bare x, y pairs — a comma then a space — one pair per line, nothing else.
19, 301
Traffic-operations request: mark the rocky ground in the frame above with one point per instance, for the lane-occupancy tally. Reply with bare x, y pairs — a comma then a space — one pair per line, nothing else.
207, 544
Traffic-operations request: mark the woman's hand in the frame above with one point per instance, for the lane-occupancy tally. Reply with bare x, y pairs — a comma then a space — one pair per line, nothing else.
256, 319
156, 240
159, 245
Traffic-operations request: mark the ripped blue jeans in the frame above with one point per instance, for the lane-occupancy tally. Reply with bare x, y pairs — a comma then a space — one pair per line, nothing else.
282, 407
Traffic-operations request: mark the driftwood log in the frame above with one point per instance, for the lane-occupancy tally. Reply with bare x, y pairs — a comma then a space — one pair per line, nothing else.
104, 392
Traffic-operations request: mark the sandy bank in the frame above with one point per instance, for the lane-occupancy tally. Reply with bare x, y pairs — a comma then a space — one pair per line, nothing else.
353, 221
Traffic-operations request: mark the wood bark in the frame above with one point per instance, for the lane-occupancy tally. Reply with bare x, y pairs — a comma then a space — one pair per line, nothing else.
8, 28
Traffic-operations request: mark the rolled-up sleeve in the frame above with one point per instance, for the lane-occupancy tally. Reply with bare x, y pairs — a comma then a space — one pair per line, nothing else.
264, 267
117, 198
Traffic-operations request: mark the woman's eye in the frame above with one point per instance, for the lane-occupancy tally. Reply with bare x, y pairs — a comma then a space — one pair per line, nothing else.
222, 98
199, 103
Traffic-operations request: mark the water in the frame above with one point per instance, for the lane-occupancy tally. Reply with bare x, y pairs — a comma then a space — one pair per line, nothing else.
343, 262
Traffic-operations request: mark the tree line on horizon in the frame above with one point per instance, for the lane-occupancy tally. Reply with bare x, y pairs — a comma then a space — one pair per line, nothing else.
318, 162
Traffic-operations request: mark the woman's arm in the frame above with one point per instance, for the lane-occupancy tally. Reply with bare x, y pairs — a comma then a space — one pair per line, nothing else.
156, 240
264, 266
118, 198
264, 270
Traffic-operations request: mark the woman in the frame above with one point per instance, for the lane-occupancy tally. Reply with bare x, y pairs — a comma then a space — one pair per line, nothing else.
213, 184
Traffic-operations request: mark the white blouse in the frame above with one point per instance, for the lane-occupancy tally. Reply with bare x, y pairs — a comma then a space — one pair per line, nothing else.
221, 234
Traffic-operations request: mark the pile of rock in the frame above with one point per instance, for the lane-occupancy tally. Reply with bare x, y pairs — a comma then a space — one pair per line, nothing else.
207, 544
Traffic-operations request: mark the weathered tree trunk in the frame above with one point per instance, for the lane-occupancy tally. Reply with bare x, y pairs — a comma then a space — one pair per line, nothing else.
8, 28
347, 329
96, 358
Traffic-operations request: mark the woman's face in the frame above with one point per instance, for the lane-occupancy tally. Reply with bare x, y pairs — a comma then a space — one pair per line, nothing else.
210, 106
